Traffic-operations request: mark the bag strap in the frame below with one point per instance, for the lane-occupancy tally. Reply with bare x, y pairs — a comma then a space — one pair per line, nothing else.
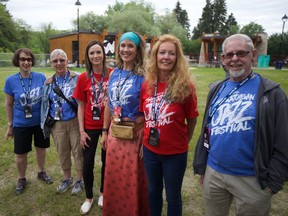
59, 92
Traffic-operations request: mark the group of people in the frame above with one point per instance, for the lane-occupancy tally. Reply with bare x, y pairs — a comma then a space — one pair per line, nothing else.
144, 117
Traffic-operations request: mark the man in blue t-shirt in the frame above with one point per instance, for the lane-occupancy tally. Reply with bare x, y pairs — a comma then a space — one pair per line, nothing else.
242, 151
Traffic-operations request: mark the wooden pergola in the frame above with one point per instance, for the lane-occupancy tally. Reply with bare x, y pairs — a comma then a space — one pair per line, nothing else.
216, 41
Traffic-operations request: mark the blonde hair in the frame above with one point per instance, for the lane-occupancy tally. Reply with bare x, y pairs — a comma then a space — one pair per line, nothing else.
179, 83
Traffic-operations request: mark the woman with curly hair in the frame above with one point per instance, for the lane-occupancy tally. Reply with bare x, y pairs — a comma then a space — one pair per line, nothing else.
125, 183
169, 102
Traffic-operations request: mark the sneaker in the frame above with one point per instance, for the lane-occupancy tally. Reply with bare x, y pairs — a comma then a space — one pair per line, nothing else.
86, 206
78, 186
21, 184
100, 201
65, 185
44, 177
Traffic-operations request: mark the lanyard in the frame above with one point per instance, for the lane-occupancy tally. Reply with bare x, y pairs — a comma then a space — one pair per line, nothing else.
100, 86
62, 87
212, 112
156, 112
27, 93
119, 87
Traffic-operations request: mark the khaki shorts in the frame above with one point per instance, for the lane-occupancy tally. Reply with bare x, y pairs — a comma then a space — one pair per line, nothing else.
66, 138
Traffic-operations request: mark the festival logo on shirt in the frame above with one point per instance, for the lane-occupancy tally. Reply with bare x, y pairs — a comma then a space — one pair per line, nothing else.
67, 91
164, 117
34, 97
234, 115
122, 91
101, 99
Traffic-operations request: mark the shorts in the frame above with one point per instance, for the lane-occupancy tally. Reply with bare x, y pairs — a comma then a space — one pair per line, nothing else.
23, 139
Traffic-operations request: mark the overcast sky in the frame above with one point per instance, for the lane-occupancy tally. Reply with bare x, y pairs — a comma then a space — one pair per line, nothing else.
61, 13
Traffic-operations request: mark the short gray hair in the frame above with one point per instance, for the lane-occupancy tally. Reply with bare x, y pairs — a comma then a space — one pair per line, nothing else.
56, 52
242, 37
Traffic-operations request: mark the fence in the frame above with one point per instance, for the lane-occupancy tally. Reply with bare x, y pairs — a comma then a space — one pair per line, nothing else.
42, 60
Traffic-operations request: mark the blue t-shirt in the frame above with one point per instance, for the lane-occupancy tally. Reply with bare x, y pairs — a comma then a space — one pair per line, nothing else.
57, 102
14, 88
232, 130
124, 91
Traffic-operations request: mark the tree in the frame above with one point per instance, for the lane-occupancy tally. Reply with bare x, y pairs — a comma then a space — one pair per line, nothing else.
251, 29
219, 17
8, 31
231, 26
92, 21
204, 23
182, 17
214, 19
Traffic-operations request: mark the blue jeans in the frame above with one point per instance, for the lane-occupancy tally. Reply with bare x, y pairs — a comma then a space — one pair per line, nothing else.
171, 169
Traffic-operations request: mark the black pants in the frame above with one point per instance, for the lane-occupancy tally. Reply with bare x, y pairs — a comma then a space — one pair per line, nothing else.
89, 161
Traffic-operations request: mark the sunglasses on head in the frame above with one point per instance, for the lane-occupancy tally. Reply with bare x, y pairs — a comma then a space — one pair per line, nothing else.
22, 59
55, 61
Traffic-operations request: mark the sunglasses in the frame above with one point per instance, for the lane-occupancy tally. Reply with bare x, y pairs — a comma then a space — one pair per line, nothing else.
55, 61
22, 59
239, 54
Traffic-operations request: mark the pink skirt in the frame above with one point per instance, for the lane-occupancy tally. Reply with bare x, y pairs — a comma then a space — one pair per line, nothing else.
125, 181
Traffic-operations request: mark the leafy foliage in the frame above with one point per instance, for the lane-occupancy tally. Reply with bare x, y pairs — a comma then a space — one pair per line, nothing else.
251, 29
214, 19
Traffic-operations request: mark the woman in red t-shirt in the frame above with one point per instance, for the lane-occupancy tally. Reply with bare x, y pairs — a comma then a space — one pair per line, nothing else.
91, 94
169, 102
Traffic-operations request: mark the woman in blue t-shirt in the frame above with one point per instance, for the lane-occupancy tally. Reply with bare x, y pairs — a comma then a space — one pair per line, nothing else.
23, 95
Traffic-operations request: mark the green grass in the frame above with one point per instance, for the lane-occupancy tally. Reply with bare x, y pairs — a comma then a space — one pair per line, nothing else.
41, 199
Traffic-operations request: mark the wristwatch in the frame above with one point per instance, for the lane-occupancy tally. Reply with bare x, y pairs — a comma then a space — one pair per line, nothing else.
104, 129
10, 124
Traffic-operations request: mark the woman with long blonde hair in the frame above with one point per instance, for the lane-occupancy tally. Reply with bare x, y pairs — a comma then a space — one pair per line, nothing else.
169, 102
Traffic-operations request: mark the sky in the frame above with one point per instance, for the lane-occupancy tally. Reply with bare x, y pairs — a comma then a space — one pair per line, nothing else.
61, 13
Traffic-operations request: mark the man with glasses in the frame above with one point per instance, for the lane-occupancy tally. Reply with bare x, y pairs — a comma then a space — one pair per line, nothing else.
242, 152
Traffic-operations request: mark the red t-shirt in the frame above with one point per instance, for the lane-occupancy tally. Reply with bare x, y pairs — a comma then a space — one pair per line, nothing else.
171, 120
84, 92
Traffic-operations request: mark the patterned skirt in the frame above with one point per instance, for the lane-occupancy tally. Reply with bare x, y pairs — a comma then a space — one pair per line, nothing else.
125, 181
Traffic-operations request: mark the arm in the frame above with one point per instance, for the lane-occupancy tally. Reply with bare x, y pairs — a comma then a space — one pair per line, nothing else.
191, 123
106, 124
9, 102
83, 135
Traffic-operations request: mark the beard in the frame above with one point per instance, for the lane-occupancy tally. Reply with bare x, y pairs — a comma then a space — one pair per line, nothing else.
236, 74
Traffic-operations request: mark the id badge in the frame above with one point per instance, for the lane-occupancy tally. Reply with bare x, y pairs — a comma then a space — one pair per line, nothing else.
96, 113
154, 137
207, 137
117, 114
58, 113
28, 111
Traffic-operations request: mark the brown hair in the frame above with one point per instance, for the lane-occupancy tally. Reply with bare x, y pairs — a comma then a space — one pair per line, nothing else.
17, 53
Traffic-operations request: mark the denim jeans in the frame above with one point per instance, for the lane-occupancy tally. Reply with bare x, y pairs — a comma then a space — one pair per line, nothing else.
171, 169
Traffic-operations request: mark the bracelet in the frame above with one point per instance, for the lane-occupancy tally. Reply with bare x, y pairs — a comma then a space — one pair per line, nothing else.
104, 129
10, 124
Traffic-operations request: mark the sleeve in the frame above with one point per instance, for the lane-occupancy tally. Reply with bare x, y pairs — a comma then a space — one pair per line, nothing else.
79, 92
191, 105
7, 87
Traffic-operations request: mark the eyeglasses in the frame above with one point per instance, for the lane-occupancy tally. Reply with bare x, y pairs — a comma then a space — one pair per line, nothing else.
239, 54
55, 61
22, 59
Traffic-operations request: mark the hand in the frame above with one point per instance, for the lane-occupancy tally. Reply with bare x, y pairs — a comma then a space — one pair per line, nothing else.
83, 137
9, 133
103, 140
201, 180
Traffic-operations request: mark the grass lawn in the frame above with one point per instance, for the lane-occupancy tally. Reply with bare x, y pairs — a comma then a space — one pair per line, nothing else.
41, 199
